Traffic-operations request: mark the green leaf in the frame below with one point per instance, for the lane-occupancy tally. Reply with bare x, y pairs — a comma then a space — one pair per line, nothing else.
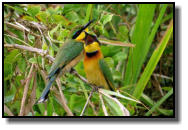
12, 57
72, 16
44, 46
51, 51
71, 7
7, 71
8, 98
29, 18
50, 107
109, 61
33, 60
119, 95
63, 34
58, 19
123, 33
15, 8
147, 101
120, 56
54, 30
76, 103
106, 18
33, 10
88, 13
115, 106
22, 65
43, 16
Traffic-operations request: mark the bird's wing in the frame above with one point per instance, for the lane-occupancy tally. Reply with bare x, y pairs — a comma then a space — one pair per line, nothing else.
70, 50
107, 74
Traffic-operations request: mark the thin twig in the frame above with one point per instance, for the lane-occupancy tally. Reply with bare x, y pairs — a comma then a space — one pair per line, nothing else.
17, 27
67, 109
53, 40
31, 49
163, 76
74, 72
32, 98
91, 93
115, 43
158, 86
103, 106
7, 110
25, 91
17, 39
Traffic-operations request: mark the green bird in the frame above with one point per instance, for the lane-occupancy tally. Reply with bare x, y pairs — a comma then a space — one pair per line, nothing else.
67, 57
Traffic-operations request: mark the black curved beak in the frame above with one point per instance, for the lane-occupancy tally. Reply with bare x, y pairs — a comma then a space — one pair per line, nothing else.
82, 29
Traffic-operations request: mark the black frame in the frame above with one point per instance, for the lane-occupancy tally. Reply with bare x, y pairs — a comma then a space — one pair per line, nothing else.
175, 116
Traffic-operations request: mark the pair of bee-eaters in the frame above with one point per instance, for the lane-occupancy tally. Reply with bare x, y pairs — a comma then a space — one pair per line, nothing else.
81, 44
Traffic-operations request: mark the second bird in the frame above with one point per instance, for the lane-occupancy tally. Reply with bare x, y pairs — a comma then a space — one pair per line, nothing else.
97, 71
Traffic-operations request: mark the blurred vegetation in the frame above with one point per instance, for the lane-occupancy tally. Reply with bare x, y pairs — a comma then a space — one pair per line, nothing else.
144, 73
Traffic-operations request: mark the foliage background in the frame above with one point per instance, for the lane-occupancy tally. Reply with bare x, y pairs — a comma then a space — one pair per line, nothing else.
143, 25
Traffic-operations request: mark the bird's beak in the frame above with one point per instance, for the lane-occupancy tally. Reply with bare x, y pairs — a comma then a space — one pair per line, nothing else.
84, 27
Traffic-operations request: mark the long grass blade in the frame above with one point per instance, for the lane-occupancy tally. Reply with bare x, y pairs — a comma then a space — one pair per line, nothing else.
159, 102
88, 12
152, 62
139, 38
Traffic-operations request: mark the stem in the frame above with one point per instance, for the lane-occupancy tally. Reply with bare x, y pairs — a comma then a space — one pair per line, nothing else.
67, 109
91, 93
31, 49
22, 109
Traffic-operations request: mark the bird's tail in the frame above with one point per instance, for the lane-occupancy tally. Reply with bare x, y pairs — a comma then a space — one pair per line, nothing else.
46, 91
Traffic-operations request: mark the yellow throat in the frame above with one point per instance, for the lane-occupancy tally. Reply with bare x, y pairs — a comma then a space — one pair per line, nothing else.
91, 47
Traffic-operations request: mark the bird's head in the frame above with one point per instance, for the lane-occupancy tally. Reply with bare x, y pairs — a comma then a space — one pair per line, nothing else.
79, 34
91, 43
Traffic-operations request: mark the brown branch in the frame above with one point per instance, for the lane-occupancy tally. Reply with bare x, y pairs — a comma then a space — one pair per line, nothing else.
74, 72
83, 110
21, 28
158, 86
7, 110
25, 91
116, 43
67, 109
32, 98
30, 49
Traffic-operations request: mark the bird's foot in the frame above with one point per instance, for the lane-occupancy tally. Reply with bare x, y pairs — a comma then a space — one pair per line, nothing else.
96, 88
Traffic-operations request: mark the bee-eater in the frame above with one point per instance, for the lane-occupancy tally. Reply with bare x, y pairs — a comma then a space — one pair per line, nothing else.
67, 57
97, 71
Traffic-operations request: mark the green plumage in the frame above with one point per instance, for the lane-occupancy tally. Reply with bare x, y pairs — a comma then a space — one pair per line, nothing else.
107, 74
66, 53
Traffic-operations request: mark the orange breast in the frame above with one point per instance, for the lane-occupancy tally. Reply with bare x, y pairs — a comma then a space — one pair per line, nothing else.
92, 70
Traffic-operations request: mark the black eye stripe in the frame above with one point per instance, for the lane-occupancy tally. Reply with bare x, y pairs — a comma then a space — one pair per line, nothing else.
76, 34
